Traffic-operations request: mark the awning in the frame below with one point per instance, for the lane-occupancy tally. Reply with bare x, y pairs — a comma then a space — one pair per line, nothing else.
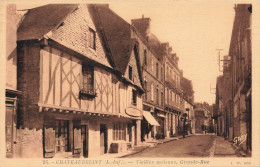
148, 116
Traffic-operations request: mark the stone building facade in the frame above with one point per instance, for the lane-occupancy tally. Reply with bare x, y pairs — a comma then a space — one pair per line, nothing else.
234, 100
153, 77
241, 58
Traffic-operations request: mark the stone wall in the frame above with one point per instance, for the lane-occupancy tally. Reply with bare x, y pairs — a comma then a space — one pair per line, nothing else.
28, 143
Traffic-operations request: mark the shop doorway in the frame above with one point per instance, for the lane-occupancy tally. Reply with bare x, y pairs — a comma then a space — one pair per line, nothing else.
10, 126
103, 139
129, 131
84, 139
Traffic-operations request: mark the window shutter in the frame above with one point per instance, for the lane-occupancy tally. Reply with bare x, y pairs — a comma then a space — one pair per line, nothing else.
76, 137
49, 141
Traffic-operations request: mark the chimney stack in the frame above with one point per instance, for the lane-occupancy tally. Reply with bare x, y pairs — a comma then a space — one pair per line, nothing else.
142, 25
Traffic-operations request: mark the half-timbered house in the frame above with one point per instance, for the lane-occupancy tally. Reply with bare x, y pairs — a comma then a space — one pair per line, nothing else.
81, 93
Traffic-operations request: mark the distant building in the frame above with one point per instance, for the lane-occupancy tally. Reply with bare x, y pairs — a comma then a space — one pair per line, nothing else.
153, 77
174, 102
203, 118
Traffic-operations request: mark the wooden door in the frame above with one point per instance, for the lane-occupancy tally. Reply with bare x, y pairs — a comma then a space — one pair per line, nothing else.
84, 139
76, 138
9, 121
103, 139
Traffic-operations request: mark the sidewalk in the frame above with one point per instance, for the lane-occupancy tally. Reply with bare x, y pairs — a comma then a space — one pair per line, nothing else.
223, 148
142, 146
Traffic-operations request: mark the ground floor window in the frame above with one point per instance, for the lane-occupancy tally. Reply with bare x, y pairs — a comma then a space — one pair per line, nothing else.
62, 135
119, 131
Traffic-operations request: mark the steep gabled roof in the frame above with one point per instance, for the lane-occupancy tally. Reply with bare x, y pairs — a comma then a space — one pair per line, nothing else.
117, 33
39, 21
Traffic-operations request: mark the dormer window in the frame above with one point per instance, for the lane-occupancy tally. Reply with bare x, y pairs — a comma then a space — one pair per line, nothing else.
130, 73
92, 39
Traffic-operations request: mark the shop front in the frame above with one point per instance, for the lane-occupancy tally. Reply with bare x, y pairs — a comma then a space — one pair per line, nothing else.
148, 125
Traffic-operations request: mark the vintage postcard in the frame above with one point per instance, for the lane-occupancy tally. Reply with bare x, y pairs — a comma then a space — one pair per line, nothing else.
129, 83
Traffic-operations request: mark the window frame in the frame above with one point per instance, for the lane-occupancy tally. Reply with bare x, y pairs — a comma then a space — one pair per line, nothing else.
157, 70
145, 57
152, 92
157, 95
119, 131
88, 75
134, 97
145, 88
130, 72
92, 39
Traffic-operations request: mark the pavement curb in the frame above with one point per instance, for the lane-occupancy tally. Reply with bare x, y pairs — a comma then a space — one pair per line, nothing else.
133, 152
212, 148
239, 152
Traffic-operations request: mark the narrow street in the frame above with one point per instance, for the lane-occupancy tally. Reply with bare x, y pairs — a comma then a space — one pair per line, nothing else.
193, 146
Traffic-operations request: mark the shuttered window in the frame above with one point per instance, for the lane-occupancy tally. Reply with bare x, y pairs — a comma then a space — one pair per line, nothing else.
49, 142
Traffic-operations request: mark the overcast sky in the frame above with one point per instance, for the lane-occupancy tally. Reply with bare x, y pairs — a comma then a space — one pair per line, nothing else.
194, 30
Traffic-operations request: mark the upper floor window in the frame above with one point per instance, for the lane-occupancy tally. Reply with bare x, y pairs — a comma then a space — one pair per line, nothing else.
152, 64
171, 95
162, 98
145, 88
168, 95
161, 74
152, 91
134, 96
88, 79
145, 57
167, 73
92, 39
157, 95
130, 72
157, 70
